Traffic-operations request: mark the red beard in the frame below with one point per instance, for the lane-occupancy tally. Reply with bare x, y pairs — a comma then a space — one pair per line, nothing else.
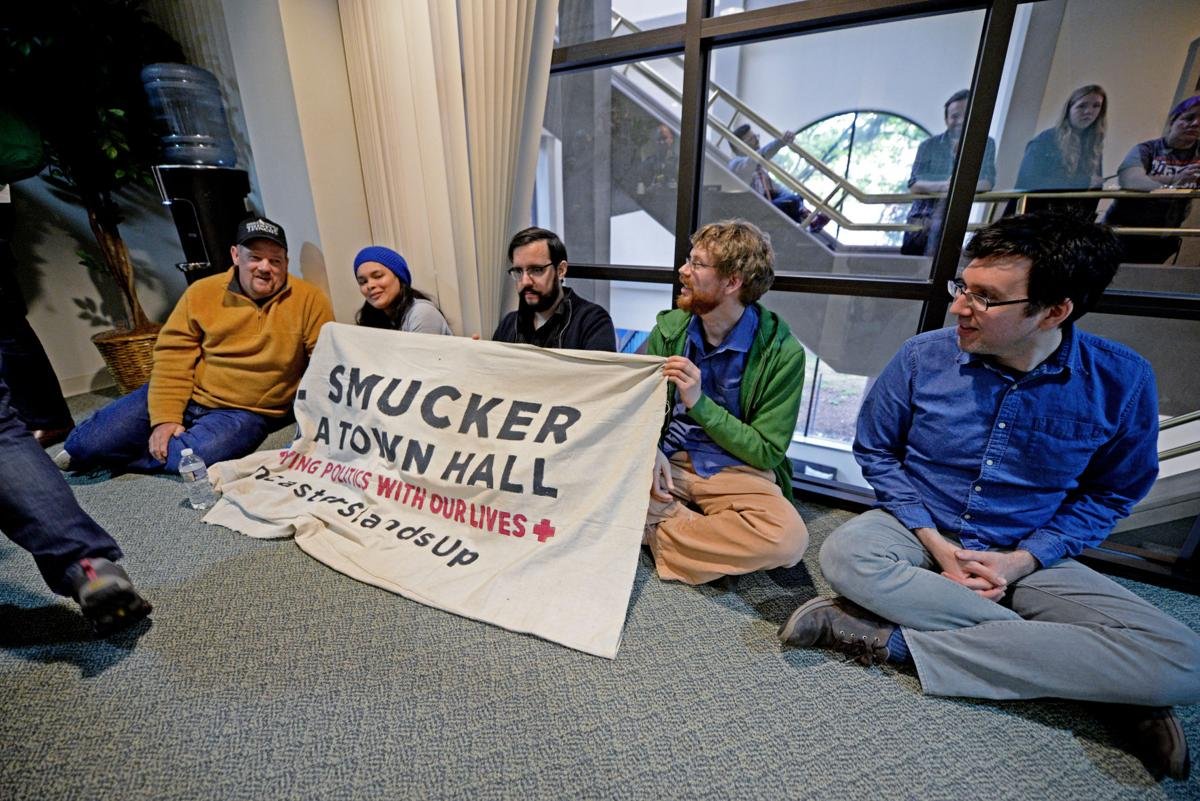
697, 304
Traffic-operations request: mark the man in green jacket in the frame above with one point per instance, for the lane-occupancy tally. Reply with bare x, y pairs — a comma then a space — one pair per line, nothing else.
721, 498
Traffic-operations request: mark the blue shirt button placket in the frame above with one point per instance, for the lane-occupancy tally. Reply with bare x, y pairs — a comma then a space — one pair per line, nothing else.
997, 444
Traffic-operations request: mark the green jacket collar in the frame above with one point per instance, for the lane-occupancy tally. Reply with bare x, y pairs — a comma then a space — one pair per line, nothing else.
674, 322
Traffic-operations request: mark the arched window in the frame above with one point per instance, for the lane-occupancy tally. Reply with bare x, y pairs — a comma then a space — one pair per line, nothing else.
874, 150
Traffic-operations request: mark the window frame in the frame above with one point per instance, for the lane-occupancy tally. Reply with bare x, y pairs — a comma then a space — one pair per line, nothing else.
695, 40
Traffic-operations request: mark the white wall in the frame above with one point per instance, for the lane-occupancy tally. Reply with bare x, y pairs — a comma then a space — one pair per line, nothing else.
648, 14
637, 238
634, 305
58, 289
908, 68
1136, 51
260, 62
317, 60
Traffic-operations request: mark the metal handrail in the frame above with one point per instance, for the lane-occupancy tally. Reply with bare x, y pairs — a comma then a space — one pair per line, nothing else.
776, 172
1179, 420
1173, 422
792, 183
1182, 450
847, 188
720, 92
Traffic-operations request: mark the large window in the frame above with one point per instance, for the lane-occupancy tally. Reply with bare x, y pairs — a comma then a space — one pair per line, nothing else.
829, 185
644, 145
874, 151
610, 160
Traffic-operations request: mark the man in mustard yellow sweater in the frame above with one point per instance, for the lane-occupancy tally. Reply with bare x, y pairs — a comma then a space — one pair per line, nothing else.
226, 364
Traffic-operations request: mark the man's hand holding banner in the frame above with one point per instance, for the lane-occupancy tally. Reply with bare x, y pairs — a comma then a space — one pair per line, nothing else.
505, 483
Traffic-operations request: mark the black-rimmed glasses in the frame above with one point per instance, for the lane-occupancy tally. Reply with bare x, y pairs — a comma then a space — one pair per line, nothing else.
977, 302
535, 272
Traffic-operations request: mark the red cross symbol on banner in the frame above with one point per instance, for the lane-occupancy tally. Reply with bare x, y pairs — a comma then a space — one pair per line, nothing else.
543, 530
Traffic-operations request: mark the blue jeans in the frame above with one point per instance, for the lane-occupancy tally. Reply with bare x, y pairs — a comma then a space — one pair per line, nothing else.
38, 511
118, 436
790, 204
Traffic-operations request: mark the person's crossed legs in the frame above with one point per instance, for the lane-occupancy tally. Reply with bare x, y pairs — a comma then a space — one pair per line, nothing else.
1064, 631
736, 521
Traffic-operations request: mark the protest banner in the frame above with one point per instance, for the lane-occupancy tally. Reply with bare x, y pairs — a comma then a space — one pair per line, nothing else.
504, 483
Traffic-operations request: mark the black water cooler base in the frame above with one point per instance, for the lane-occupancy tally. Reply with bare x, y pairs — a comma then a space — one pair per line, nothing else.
206, 203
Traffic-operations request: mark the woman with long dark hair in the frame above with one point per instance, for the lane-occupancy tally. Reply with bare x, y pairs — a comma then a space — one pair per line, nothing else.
391, 300
1068, 156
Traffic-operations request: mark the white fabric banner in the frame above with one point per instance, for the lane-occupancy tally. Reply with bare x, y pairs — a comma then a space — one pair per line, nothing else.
505, 483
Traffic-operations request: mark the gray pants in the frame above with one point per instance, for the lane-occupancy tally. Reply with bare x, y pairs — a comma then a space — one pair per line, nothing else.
1064, 631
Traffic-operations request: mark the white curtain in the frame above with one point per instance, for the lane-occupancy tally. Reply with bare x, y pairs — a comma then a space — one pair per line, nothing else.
448, 103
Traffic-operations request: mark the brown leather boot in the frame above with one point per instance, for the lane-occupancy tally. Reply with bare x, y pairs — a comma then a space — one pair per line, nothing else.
841, 625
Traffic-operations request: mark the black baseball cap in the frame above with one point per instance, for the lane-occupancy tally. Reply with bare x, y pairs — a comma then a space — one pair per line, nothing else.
261, 228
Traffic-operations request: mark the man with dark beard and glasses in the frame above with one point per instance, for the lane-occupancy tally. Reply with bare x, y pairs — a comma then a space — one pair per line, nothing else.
549, 314
721, 497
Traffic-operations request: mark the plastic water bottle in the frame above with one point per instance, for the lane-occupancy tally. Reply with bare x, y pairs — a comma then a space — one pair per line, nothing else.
187, 106
195, 478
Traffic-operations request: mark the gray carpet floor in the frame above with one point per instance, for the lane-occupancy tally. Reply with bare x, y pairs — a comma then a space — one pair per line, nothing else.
266, 675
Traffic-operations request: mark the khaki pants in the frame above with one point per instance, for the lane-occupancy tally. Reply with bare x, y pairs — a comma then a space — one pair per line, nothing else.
734, 522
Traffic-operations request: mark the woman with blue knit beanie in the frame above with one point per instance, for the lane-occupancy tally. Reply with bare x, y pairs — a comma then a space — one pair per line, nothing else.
391, 300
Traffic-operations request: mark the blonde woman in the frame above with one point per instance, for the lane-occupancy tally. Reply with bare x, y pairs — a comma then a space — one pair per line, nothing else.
1068, 156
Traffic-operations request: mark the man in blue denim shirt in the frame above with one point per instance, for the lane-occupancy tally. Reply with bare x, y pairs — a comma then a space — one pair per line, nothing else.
998, 450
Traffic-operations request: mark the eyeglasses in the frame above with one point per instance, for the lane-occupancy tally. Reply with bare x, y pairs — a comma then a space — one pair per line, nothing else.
977, 302
535, 272
695, 265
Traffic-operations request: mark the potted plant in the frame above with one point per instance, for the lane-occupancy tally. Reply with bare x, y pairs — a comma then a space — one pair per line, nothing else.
72, 68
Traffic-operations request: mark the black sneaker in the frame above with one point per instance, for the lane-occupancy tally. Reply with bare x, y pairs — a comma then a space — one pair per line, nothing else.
106, 595
841, 625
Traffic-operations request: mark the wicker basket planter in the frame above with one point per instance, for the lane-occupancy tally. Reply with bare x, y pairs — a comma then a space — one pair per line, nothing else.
128, 354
